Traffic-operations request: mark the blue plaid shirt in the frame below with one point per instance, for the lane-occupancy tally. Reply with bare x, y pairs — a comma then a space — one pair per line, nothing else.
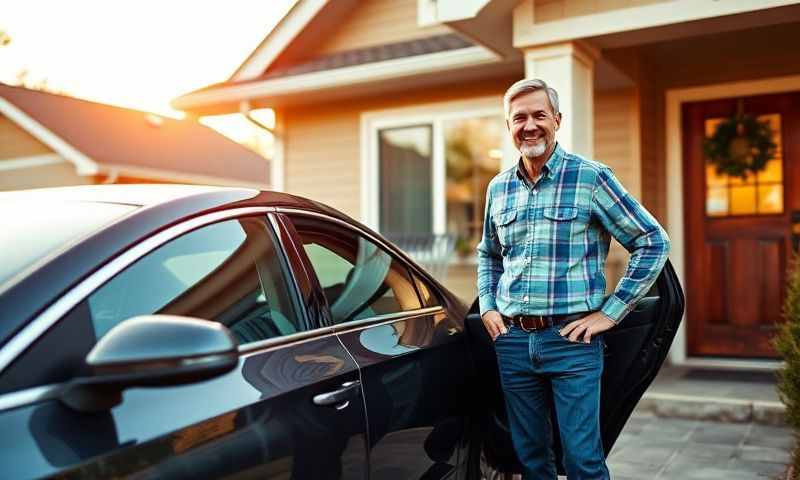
544, 245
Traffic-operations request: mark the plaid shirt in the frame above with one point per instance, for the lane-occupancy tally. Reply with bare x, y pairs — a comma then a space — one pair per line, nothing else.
544, 245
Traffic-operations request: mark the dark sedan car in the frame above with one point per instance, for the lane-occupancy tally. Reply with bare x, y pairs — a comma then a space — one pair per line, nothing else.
205, 332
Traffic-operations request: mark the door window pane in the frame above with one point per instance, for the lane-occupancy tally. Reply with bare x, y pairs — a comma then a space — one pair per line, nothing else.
759, 194
359, 279
406, 198
473, 155
229, 272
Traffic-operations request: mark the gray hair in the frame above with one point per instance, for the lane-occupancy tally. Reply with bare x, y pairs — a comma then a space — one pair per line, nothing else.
529, 85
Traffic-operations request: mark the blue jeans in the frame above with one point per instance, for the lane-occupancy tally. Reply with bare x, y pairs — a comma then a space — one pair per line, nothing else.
533, 363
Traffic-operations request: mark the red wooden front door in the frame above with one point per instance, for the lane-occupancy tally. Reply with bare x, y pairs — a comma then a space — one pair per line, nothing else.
739, 231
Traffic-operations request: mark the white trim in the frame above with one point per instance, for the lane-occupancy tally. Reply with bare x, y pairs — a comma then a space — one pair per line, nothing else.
278, 39
277, 176
433, 114
674, 172
660, 14
340, 77
172, 175
18, 163
84, 165
426, 13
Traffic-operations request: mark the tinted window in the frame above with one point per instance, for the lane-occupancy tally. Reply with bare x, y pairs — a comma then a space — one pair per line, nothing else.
229, 272
426, 292
33, 230
360, 279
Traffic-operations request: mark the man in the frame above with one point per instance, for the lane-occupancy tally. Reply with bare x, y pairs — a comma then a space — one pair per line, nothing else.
541, 283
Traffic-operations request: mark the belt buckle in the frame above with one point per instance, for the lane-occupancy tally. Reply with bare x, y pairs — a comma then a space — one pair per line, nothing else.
535, 323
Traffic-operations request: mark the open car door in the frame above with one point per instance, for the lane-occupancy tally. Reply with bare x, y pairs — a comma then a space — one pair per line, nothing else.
635, 351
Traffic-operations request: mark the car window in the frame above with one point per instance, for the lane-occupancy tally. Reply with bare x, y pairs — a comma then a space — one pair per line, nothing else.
229, 272
426, 292
359, 278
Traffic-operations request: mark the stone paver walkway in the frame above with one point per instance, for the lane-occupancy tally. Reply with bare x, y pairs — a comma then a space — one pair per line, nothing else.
668, 448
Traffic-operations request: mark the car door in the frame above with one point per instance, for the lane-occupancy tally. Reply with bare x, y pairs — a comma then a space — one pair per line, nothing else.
635, 350
292, 408
410, 348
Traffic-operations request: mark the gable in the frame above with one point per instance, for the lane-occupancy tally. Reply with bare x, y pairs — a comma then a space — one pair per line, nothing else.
366, 24
15, 142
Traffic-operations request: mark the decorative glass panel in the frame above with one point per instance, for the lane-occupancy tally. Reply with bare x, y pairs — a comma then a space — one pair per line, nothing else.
717, 202
743, 200
759, 194
473, 152
406, 193
770, 199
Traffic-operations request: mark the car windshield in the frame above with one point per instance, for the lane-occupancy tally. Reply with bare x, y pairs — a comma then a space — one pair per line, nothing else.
33, 230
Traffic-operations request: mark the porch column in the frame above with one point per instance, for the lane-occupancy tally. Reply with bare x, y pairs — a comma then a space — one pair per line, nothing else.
569, 68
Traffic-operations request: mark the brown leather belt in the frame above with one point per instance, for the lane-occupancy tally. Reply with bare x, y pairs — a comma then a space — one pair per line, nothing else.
531, 323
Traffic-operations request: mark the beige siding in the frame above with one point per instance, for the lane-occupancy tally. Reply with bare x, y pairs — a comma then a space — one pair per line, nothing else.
54, 175
550, 10
16, 142
617, 144
616, 141
378, 22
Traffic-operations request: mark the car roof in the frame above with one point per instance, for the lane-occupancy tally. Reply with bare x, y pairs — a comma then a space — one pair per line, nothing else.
157, 206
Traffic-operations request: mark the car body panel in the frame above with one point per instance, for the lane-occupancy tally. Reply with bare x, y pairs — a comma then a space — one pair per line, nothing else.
259, 419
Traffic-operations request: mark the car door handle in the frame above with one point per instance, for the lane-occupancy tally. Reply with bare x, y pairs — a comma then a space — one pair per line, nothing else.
339, 398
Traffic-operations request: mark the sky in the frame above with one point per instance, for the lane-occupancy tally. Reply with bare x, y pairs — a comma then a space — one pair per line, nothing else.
138, 54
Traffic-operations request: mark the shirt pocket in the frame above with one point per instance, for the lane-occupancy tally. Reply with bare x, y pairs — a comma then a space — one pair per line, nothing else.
505, 223
560, 214
564, 228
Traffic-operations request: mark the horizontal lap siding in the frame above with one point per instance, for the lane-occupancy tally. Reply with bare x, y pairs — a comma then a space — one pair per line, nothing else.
16, 142
616, 137
322, 156
379, 22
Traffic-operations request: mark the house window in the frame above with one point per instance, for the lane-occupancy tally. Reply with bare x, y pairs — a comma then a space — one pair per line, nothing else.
405, 179
427, 170
473, 151
760, 194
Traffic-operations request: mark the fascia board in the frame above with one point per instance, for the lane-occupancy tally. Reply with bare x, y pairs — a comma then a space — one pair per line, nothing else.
527, 34
373, 72
278, 39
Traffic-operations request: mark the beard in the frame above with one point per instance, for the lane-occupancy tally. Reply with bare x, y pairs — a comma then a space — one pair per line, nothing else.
533, 151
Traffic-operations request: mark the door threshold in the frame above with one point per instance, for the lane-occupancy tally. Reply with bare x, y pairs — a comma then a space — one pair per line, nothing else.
723, 363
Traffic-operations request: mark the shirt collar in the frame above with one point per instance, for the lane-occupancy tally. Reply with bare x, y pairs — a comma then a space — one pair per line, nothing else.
550, 167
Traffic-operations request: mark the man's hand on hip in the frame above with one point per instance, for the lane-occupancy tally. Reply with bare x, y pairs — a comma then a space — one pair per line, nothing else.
586, 327
494, 324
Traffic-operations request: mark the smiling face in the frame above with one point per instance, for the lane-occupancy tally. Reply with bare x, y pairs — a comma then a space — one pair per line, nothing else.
533, 125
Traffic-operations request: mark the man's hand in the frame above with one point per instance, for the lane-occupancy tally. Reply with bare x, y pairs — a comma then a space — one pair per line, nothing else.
493, 323
586, 327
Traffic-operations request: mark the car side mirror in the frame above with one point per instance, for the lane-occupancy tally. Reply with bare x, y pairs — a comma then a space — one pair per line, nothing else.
151, 350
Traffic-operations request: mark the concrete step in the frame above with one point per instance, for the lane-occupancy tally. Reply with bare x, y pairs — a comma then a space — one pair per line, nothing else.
720, 409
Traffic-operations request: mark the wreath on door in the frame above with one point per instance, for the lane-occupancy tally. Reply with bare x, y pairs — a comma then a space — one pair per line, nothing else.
740, 146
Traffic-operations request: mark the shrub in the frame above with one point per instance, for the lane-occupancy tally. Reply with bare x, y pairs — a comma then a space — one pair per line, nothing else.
787, 343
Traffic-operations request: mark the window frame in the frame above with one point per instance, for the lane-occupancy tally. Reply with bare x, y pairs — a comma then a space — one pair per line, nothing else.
385, 246
434, 115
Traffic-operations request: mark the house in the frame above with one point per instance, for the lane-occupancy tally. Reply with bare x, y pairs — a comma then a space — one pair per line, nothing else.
53, 140
389, 106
